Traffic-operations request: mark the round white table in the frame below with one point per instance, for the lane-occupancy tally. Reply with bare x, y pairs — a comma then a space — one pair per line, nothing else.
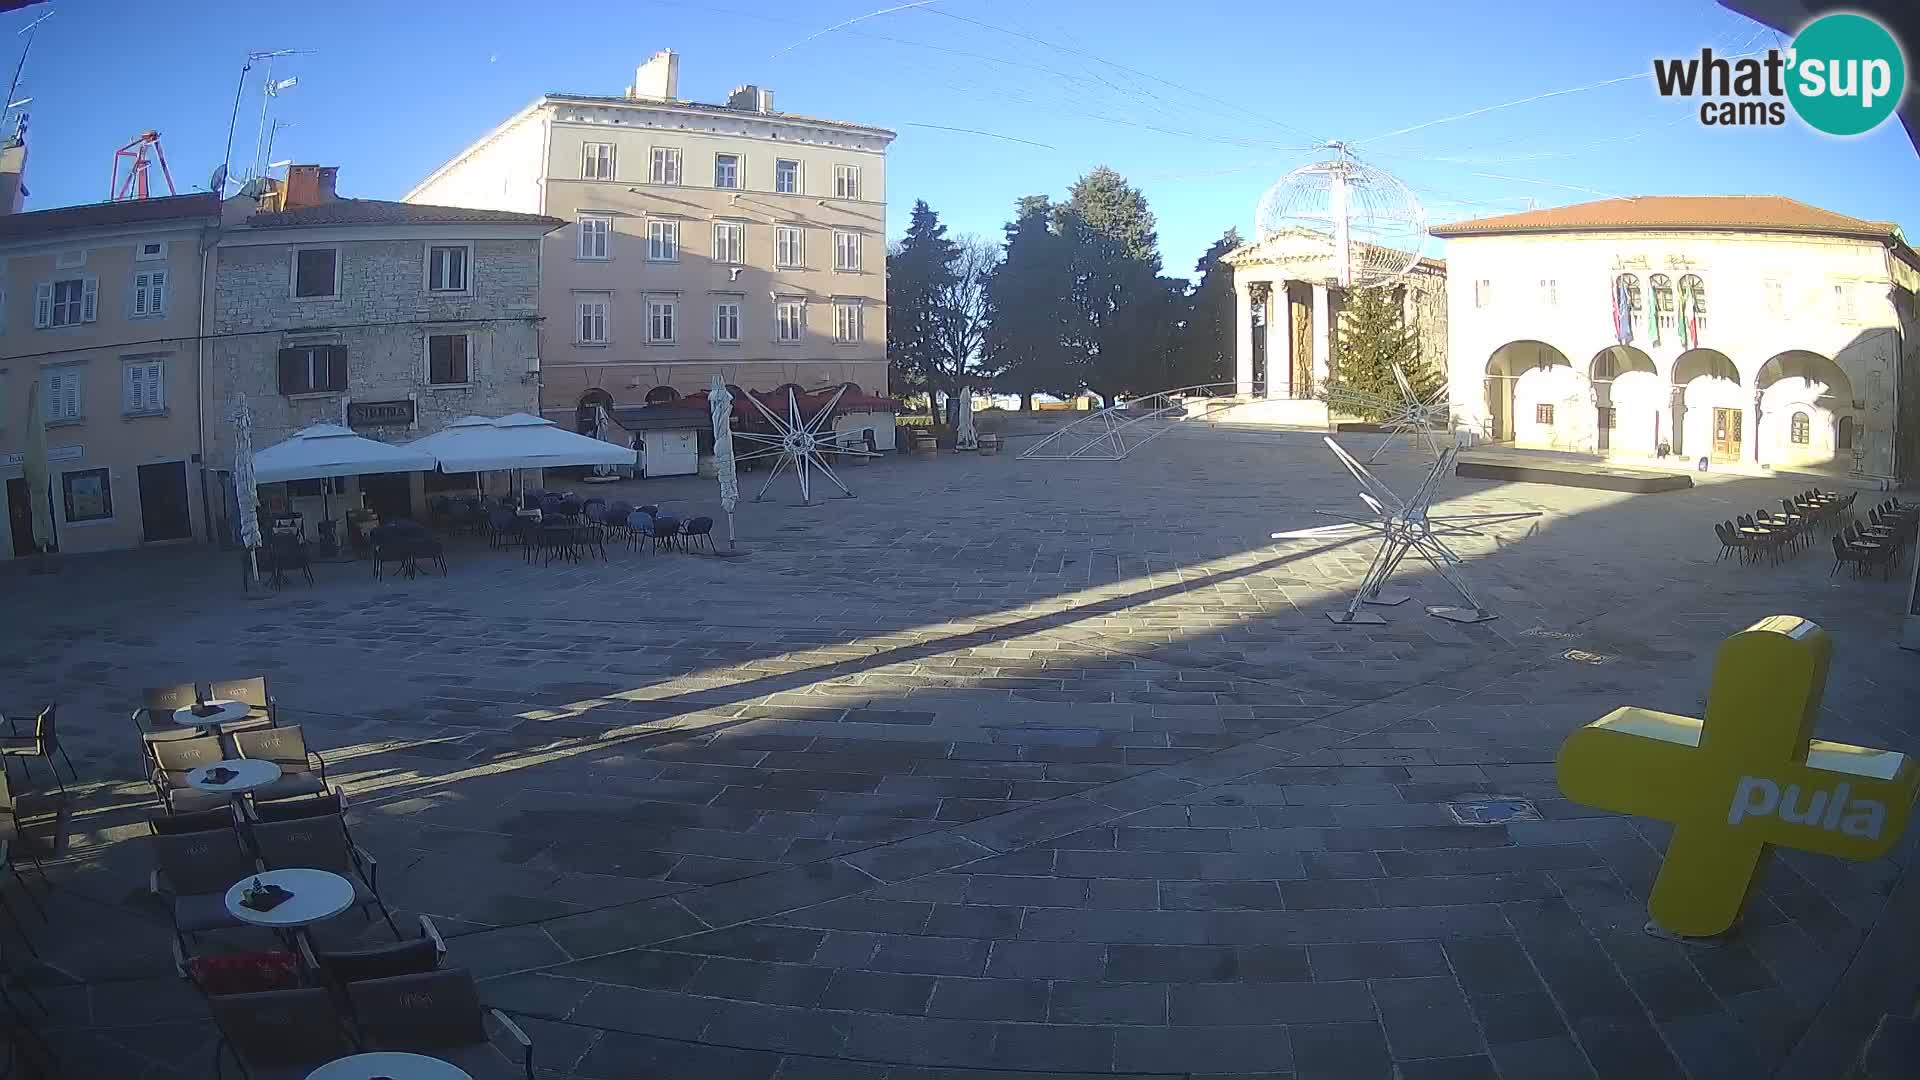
249, 773
228, 712
317, 896
394, 1066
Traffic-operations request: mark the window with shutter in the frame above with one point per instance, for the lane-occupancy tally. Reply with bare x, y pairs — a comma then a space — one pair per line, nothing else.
67, 302
150, 293
447, 268
43, 305
447, 360
146, 383
61, 388
313, 369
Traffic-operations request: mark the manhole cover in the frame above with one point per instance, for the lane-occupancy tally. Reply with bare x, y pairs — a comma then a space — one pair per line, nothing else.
1492, 810
1581, 656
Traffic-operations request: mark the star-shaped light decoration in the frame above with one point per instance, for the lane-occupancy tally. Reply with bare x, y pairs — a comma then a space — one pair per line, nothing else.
800, 444
1415, 415
1405, 526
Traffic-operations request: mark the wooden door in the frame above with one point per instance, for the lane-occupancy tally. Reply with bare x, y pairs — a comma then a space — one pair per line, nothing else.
163, 502
1726, 434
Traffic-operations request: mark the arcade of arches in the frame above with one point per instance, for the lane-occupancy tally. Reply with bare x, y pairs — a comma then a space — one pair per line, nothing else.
1796, 408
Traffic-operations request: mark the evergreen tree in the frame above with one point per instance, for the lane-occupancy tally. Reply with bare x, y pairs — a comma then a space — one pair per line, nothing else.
1373, 338
1120, 310
919, 272
1205, 343
1026, 297
1107, 205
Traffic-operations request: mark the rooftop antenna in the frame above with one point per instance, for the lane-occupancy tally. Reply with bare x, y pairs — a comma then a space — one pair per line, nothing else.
272, 131
270, 89
222, 175
14, 87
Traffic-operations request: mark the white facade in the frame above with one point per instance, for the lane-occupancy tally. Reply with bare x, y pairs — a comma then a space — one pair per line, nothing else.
1788, 352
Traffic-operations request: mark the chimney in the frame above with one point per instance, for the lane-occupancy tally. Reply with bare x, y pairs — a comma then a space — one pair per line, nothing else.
658, 79
750, 98
309, 185
13, 170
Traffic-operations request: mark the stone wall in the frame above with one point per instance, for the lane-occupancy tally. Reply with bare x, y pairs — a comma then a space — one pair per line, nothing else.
382, 317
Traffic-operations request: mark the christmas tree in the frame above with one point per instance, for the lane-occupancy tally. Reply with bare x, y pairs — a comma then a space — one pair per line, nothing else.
1373, 338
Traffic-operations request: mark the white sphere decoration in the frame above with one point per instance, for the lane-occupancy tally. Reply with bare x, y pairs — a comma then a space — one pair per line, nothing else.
1368, 224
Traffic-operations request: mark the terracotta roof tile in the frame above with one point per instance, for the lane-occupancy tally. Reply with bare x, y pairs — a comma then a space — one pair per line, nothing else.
1758, 213
107, 215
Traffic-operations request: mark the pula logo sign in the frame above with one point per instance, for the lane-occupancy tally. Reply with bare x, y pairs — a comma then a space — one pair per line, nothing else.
1844, 75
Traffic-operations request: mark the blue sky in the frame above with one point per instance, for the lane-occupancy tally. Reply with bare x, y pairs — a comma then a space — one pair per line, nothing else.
1203, 103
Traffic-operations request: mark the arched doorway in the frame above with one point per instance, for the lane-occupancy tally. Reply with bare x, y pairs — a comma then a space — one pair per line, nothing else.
1521, 378
586, 420
1803, 399
1709, 407
1626, 400
662, 395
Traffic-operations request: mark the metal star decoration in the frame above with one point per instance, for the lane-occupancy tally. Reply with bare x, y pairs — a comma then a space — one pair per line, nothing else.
799, 444
1415, 415
1403, 526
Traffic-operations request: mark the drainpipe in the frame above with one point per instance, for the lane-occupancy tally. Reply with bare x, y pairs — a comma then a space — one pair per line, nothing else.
200, 372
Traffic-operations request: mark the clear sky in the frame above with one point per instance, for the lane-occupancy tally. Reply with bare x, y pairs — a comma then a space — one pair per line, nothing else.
1202, 103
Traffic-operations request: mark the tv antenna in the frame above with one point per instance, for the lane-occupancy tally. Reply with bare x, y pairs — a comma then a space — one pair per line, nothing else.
233, 119
14, 87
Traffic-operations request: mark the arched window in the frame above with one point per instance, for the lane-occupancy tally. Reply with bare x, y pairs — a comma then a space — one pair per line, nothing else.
1801, 432
1662, 287
1843, 434
662, 395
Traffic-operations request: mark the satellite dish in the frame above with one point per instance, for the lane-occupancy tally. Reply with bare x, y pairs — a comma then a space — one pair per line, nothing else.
1363, 220
218, 184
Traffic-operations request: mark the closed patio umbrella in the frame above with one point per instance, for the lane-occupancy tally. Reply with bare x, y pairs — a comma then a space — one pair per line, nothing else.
965, 437
246, 494
34, 468
720, 404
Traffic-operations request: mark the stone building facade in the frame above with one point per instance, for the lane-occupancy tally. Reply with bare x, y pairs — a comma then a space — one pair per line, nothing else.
388, 318
701, 239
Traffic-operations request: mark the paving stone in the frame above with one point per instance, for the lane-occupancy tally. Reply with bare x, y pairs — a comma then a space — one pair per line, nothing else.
1711, 1046
1202, 1049
931, 955
775, 1027
786, 943
1470, 1067
919, 1041
1542, 1059
989, 999
1105, 1003
644, 968
595, 932
1522, 1017
878, 991
752, 980
1351, 1051
1053, 1046
1268, 1003
1426, 1017
1196, 963
1626, 1046
1046, 960
618, 1054
1377, 960
644, 1012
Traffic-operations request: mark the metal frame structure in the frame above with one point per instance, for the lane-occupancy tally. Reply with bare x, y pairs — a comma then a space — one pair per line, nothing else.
1403, 526
800, 444
135, 186
1115, 431
1413, 415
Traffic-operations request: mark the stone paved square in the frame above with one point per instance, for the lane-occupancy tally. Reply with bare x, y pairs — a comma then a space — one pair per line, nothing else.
1003, 767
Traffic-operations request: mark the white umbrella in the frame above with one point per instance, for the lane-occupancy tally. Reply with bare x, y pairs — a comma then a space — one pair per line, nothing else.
246, 495
328, 450
515, 441
720, 404
965, 437
34, 468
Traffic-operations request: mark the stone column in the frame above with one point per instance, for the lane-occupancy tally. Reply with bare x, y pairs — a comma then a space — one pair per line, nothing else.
1322, 342
1242, 336
1279, 342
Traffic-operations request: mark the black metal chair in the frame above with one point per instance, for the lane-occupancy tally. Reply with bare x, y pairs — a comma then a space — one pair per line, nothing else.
284, 553
255, 693
44, 743
278, 1030
665, 530
502, 527
323, 844
639, 527
172, 760
697, 531
192, 873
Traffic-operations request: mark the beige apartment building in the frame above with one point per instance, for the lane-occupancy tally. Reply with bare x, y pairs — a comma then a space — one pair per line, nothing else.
100, 305
701, 239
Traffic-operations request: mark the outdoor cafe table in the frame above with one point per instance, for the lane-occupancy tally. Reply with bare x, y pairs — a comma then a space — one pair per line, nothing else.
318, 895
250, 773
228, 712
391, 1065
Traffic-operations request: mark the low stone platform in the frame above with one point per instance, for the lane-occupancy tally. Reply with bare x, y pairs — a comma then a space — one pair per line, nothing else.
1515, 468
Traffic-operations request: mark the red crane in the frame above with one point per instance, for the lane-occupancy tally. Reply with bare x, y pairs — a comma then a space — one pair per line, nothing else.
135, 185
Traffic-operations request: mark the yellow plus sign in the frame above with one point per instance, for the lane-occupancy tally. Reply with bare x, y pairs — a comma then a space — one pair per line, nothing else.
1750, 775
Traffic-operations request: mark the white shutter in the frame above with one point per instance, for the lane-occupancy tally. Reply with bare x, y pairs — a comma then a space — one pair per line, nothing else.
89, 294
43, 305
136, 388
156, 386
157, 291
139, 294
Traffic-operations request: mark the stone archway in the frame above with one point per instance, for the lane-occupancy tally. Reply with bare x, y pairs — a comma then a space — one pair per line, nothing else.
1709, 406
1627, 395
1507, 367
586, 419
1802, 399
